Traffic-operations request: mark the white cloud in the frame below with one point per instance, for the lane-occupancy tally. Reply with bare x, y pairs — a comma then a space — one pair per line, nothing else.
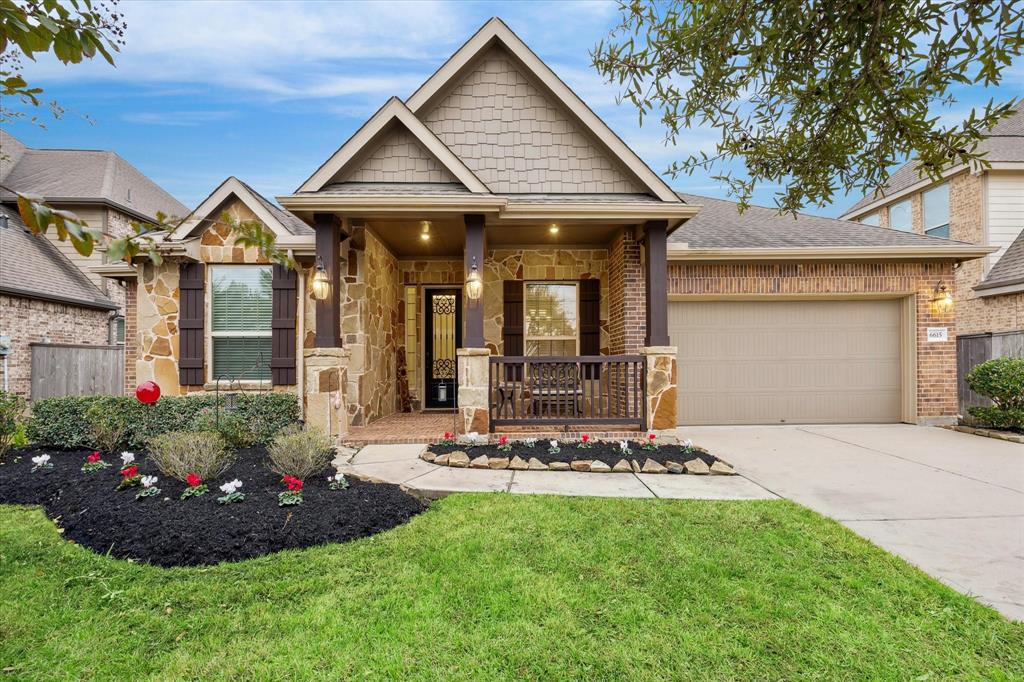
177, 118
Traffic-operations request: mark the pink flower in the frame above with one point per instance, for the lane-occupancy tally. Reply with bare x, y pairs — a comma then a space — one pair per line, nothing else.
503, 440
193, 480
651, 437
585, 438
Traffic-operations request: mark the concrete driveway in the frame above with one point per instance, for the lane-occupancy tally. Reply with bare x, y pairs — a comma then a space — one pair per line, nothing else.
950, 503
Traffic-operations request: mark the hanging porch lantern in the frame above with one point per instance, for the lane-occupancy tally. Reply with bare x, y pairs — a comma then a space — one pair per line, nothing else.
942, 300
474, 285
321, 287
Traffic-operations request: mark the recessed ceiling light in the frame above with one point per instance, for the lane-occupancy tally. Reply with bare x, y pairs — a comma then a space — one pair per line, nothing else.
425, 236
553, 229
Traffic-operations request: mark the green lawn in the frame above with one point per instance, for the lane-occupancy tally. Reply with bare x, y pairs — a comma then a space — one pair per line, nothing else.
507, 587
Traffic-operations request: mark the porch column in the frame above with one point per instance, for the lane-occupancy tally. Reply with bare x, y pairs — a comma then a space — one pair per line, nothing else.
656, 278
328, 252
473, 337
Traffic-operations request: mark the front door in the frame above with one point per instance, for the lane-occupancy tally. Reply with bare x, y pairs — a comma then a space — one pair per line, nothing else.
442, 335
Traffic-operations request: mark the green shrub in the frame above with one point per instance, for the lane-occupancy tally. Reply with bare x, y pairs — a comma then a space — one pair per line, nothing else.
300, 453
12, 412
1002, 381
62, 423
180, 453
229, 424
108, 424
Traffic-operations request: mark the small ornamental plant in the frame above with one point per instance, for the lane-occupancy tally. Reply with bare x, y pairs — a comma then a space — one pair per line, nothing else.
195, 488
337, 481
553, 448
624, 447
687, 446
149, 488
41, 463
650, 444
584, 443
231, 493
293, 495
530, 442
504, 445
449, 438
94, 463
129, 471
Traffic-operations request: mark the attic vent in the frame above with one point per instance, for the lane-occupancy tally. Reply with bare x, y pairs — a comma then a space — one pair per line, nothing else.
3, 221
129, 195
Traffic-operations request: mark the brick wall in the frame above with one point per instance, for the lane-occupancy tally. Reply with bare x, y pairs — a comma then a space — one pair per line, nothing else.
627, 316
29, 321
131, 335
936, 362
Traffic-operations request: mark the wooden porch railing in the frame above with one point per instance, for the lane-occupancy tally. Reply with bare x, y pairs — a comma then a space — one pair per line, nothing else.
567, 391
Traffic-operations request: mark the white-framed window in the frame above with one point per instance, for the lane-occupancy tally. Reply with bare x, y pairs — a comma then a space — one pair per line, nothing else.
936, 211
551, 318
116, 332
240, 315
411, 342
870, 219
901, 217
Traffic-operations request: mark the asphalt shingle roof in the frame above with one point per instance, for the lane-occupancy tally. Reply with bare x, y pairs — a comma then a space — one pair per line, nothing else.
1005, 142
1009, 269
31, 266
61, 175
720, 225
290, 221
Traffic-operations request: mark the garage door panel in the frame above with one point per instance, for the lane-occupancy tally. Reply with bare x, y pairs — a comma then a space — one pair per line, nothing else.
758, 362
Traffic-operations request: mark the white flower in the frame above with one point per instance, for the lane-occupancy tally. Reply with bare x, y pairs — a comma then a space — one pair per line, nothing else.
231, 486
148, 481
687, 444
530, 442
554, 444
41, 460
127, 458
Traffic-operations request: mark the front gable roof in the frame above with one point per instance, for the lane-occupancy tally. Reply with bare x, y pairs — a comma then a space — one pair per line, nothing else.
285, 226
394, 115
495, 33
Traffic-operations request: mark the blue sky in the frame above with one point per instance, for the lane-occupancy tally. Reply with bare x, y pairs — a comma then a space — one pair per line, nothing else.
268, 90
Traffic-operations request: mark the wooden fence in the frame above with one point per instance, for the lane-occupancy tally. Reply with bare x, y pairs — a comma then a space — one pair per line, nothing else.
60, 369
975, 349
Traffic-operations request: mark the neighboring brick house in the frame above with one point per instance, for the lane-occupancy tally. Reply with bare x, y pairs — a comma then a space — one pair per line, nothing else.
44, 298
105, 191
490, 247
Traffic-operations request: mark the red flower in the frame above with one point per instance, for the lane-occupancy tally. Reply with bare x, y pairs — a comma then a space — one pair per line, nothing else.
130, 472
293, 484
94, 457
448, 435
193, 480
651, 436
585, 438
503, 440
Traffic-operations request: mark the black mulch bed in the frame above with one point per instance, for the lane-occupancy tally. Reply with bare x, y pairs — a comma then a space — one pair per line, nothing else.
167, 531
608, 452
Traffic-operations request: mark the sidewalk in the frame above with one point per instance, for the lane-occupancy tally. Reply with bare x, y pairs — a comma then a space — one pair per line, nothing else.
401, 464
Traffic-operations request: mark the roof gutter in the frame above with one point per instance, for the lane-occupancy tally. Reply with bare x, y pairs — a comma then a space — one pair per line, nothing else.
55, 298
957, 253
1010, 286
92, 201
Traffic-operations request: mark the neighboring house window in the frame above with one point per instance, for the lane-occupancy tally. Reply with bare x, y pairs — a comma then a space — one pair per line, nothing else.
936, 211
551, 317
900, 217
117, 330
240, 314
871, 219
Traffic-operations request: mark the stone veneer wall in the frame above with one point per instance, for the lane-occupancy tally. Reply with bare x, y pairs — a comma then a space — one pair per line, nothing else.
936, 362
29, 320
628, 321
374, 296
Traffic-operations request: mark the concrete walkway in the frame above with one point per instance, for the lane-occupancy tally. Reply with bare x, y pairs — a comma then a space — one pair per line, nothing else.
950, 503
401, 464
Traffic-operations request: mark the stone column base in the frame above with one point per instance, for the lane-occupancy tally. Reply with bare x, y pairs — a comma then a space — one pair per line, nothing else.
323, 396
473, 398
662, 388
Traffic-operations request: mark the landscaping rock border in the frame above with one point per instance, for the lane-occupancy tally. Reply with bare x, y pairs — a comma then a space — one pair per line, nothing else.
988, 433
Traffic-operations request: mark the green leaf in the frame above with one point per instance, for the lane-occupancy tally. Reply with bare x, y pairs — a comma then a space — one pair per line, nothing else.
116, 249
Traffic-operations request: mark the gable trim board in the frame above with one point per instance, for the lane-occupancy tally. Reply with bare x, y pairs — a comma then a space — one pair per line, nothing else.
496, 31
364, 140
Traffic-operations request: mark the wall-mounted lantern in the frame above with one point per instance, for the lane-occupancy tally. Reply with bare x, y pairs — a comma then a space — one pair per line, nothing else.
321, 287
942, 300
474, 285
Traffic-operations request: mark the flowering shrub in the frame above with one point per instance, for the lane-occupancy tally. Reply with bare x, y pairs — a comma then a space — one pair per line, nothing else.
195, 488
94, 463
624, 447
449, 438
231, 494
553, 448
337, 481
41, 462
584, 442
649, 445
149, 488
504, 445
129, 475
291, 496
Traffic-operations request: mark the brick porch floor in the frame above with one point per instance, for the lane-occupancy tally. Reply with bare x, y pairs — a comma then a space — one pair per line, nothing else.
429, 427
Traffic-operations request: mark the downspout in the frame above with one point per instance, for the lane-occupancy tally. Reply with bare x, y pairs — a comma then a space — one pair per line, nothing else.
300, 357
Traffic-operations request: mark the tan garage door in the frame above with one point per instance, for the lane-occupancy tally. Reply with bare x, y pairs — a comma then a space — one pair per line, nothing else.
797, 362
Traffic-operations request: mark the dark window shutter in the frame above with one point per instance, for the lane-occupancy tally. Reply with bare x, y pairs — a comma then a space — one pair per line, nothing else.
590, 323
191, 319
512, 331
282, 352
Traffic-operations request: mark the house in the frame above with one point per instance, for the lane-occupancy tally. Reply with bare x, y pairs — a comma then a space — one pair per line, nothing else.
490, 248
101, 188
43, 297
977, 204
